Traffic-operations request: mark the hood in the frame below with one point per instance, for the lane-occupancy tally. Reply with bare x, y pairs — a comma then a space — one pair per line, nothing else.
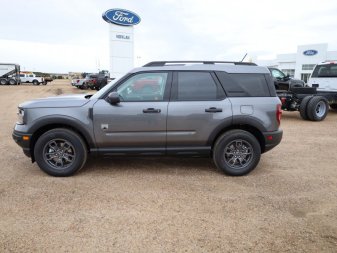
296, 81
57, 102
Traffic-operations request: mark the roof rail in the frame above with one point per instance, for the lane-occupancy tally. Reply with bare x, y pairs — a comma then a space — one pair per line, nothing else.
163, 63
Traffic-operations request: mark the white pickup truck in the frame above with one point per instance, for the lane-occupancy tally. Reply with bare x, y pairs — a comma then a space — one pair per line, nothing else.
32, 78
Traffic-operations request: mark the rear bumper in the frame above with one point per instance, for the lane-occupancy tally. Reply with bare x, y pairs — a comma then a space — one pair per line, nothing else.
272, 139
24, 144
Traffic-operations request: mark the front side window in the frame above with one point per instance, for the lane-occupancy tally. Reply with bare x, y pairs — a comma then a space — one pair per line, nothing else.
143, 87
195, 86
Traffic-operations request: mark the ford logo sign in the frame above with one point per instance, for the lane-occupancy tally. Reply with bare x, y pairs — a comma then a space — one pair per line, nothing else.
121, 17
310, 52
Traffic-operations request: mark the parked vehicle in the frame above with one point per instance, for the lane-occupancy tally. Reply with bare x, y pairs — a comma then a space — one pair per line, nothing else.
98, 81
313, 101
9, 74
31, 78
283, 81
225, 110
47, 79
82, 83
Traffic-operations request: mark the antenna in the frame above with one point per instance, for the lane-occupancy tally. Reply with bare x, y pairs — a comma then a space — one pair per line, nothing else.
244, 57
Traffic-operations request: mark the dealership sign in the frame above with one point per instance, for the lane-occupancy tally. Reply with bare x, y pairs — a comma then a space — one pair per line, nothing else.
121, 17
310, 52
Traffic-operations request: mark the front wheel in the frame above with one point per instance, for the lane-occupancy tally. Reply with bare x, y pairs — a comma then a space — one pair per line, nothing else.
236, 152
60, 152
36, 82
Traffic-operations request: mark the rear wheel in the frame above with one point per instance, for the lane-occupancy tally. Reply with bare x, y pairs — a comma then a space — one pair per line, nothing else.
303, 107
60, 152
317, 108
12, 82
236, 152
3, 81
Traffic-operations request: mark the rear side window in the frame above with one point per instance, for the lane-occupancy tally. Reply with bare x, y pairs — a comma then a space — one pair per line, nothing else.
197, 86
326, 70
244, 85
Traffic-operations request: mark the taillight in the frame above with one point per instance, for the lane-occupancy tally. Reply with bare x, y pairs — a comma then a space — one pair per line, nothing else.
278, 114
78, 81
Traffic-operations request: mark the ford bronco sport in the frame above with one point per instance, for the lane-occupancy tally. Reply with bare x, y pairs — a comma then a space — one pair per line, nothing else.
225, 110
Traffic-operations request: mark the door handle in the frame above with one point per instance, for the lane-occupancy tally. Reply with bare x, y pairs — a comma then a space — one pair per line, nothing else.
151, 110
213, 109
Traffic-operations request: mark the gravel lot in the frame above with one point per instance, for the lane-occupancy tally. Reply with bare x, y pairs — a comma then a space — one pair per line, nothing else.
288, 204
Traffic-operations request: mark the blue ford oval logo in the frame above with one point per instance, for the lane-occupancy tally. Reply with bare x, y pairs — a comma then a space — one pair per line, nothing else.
310, 52
121, 17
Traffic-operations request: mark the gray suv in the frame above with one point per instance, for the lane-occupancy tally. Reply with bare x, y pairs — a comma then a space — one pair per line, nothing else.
225, 110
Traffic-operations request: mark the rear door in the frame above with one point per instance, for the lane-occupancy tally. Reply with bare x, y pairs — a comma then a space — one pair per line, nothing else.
197, 108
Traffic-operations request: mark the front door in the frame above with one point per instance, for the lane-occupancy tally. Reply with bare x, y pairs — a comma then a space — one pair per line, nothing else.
138, 123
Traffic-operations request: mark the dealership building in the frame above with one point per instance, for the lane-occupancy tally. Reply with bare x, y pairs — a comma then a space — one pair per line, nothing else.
301, 63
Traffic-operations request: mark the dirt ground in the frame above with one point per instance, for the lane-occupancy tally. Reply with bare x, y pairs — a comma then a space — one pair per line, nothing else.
287, 204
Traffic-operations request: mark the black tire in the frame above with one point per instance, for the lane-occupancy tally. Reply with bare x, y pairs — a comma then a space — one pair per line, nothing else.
12, 82
3, 81
71, 156
317, 108
303, 107
333, 106
230, 141
36, 82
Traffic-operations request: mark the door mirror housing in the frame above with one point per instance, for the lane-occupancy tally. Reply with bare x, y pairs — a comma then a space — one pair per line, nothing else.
113, 98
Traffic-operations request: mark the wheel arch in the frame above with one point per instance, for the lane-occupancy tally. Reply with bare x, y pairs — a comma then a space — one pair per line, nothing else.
247, 127
52, 123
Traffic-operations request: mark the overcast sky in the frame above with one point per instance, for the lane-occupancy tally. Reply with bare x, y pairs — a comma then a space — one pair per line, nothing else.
66, 35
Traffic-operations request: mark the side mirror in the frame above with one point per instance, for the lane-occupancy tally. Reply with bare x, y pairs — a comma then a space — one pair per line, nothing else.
113, 98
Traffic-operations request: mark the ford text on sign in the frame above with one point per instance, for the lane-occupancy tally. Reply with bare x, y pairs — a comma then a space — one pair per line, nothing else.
310, 52
121, 17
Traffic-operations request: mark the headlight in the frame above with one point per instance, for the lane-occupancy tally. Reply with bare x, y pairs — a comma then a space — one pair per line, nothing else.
21, 114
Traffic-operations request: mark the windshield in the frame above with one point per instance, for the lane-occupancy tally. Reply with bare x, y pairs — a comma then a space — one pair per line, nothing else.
277, 73
104, 89
326, 70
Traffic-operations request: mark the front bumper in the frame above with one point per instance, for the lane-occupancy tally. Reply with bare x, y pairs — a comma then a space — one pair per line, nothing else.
24, 143
272, 139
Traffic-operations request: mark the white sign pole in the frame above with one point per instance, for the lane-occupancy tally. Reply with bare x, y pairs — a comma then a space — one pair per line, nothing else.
121, 49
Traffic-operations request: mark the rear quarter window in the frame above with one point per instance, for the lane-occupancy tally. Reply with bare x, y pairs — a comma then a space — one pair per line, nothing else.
244, 85
326, 70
